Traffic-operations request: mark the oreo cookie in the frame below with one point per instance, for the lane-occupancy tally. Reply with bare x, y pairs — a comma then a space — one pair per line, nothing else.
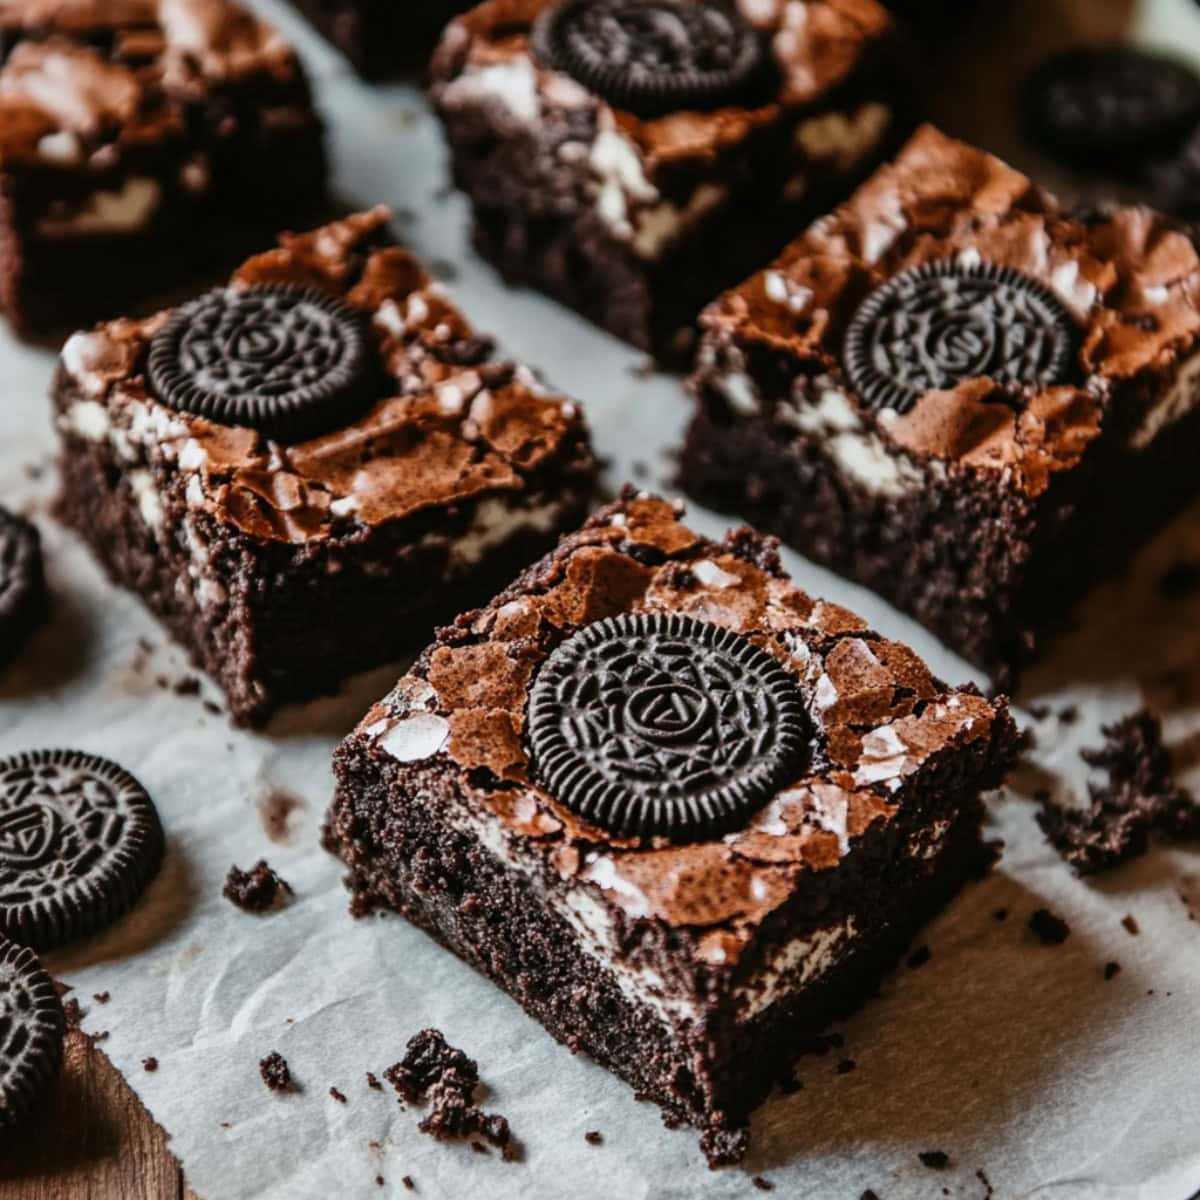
660, 725
652, 57
935, 325
31, 1032
1110, 107
290, 362
79, 841
22, 582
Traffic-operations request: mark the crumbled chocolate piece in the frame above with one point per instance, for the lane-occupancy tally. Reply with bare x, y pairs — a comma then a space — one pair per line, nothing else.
189, 685
275, 1073
408, 1183
373, 1081
919, 957
379, 1180
101, 997
1051, 929
150, 1064
1139, 801
1111, 969
763, 1185
1130, 925
256, 890
1068, 715
990, 1191
427, 1058
593, 1137
338, 1096
935, 1160
846, 1066
724, 1147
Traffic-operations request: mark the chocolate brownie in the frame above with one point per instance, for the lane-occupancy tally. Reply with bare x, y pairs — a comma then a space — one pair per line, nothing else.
381, 37
682, 812
632, 158
958, 394
301, 472
138, 141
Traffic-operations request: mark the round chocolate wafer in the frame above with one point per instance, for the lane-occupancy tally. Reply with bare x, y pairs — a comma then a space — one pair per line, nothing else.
31, 1032
1110, 107
79, 841
937, 324
652, 57
290, 362
661, 725
22, 582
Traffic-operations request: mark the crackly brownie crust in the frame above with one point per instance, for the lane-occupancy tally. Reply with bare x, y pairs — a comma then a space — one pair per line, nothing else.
670, 964
283, 569
140, 142
981, 511
636, 223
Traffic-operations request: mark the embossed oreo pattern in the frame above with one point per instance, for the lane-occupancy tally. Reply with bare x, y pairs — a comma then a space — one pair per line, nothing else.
288, 361
933, 326
79, 842
22, 581
653, 56
31, 1032
657, 724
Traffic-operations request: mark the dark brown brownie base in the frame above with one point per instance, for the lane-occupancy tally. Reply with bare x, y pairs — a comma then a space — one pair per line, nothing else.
403, 856
987, 571
289, 628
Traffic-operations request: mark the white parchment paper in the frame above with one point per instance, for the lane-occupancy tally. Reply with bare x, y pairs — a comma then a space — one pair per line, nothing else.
1016, 1059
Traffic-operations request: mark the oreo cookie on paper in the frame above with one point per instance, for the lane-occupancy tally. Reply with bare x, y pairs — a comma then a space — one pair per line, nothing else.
937, 324
290, 362
660, 725
1110, 108
652, 57
23, 600
79, 842
31, 1032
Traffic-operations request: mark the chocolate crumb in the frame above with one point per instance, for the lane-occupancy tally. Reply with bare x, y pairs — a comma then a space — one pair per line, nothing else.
1051, 929
1129, 922
846, 1066
1111, 969
593, 1137
981, 1175
869, 1195
101, 997
189, 685
724, 1147
479, 1148
373, 1081
97, 1038
379, 1180
935, 1160
212, 707
919, 957
1139, 801
763, 1185
256, 890
150, 1064
1068, 715
338, 1096
1000, 914
1039, 712
408, 1182
276, 1073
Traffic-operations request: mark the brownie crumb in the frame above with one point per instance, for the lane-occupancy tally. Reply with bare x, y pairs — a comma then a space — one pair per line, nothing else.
1068, 715
338, 1096
97, 1038
1000, 914
150, 1064
990, 1191
213, 707
433, 1070
724, 1147
846, 1066
1051, 929
256, 890
373, 1081
763, 1185
408, 1182
189, 685
1110, 970
1138, 802
379, 1180
935, 1160
101, 997
1129, 923
869, 1195
593, 1137
919, 957
276, 1073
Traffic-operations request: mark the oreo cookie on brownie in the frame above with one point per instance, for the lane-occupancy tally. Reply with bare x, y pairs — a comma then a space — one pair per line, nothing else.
959, 394
633, 158
684, 813
298, 470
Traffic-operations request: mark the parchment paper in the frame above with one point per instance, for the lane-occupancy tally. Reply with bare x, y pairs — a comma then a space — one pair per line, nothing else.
1014, 1058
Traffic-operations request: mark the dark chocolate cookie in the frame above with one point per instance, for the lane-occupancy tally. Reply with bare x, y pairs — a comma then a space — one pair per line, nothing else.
655, 56
31, 1032
22, 582
291, 362
660, 725
79, 842
1110, 107
937, 324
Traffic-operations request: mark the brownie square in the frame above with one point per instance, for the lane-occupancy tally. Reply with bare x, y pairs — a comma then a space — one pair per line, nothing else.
382, 37
959, 394
139, 141
636, 202
683, 813
285, 563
